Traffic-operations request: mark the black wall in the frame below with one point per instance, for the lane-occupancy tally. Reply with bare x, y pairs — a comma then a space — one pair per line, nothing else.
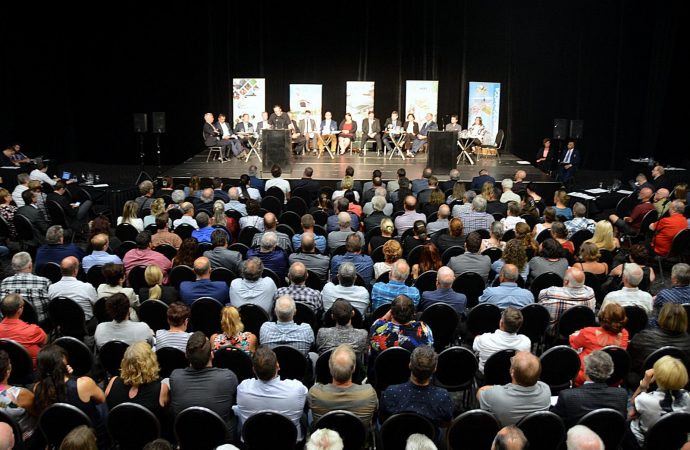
71, 78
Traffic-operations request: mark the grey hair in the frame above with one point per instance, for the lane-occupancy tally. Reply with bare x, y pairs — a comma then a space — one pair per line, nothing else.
579, 210
497, 229
54, 234
400, 270
681, 272
419, 441
572, 282
252, 268
23, 178
507, 183
445, 277
580, 437
206, 198
510, 272
177, 195
285, 308
347, 274
470, 196
380, 191
678, 206
344, 219
20, 261
233, 193
633, 273
325, 439
598, 366
378, 203
269, 240
252, 171
341, 372
479, 204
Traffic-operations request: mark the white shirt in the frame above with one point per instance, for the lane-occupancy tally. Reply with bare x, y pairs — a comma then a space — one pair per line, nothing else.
254, 194
226, 130
189, 220
136, 223
17, 194
568, 155
487, 344
510, 196
38, 175
83, 293
326, 127
358, 296
630, 297
410, 127
510, 222
281, 183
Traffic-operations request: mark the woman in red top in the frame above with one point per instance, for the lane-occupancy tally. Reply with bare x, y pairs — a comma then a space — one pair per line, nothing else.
612, 319
348, 131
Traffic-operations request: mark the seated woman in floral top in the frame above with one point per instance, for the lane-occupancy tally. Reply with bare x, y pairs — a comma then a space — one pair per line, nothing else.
233, 332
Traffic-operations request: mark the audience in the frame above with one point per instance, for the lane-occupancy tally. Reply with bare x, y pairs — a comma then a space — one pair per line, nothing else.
405, 221
114, 275
163, 235
343, 332
471, 260
220, 256
285, 331
203, 286
273, 257
16, 402
680, 291
580, 221
345, 288
253, 287
99, 255
156, 291
82, 293
121, 328
309, 256
55, 250
144, 255
506, 337
363, 263
176, 336
630, 294
444, 293
308, 223
582, 438
270, 226
383, 293
298, 290
574, 292
32, 288
398, 328
29, 336
510, 438
551, 259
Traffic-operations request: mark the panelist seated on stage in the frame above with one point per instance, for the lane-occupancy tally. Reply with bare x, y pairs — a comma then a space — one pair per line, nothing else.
212, 135
263, 123
309, 130
296, 137
454, 125
392, 125
244, 130
568, 162
371, 131
328, 129
411, 129
545, 156
348, 131
421, 137
279, 120
477, 129
228, 135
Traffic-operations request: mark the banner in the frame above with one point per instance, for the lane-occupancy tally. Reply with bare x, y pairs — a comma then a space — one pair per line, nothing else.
421, 97
305, 97
248, 96
484, 102
359, 99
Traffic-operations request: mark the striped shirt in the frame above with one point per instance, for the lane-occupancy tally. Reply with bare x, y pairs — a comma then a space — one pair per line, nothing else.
165, 338
675, 294
32, 288
558, 300
474, 221
302, 294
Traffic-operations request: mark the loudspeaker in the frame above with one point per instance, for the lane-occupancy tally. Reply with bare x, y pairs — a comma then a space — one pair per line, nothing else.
159, 122
443, 150
140, 123
577, 129
560, 129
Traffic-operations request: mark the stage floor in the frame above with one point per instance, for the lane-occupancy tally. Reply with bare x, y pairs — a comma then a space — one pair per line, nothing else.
334, 169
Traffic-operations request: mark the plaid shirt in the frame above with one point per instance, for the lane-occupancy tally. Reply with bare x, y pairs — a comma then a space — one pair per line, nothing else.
302, 294
557, 300
330, 338
474, 221
579, 223
274, 334
32, 288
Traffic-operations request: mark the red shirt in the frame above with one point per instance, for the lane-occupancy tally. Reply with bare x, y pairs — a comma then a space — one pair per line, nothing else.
664, 232
590, 339
638, 213
29, 336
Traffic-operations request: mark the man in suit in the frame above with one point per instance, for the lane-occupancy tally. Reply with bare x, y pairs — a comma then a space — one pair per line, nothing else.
245, 131
484, 177
37, 219
421, 138
371, 129
308, 126
454, 176
572, 404
296, 135
568, 163
212, 136
660, 180
228, 136
75, 214
263, 123
421, 184
327, 127
254, 180
392, 123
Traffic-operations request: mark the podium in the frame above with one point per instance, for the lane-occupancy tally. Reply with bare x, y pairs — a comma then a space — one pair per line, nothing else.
276, 149
442, 151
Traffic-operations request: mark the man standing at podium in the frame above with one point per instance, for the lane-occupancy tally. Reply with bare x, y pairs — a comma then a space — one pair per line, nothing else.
371, 129
279, 120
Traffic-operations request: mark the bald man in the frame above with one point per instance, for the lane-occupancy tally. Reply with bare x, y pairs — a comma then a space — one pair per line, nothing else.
83, 293
509, 438
99, 256
557, 299
444, 292
524, 395
631, 224
441, 222
270, 224
203, 286
661, 201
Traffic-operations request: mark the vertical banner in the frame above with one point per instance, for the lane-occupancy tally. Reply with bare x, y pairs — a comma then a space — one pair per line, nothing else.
484, 101
421, 97
305, 97
248, 96
359, 99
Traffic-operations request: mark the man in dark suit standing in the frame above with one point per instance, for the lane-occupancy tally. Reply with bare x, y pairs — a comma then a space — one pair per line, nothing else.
572, 404
31, 212
568, 162
371, 129
484, 177
308, 127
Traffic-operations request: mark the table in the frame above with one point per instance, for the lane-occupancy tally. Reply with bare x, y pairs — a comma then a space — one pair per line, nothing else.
112, 197
465, 140
634, 166
254, 144
397, 142
325, 141
598, 200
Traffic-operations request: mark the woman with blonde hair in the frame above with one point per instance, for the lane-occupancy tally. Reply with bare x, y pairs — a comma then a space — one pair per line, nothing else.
157, 207
139, 381
458, 194
561, 199
233, 332
392, 251
345, 185
523, 233
156, 291
130, 215
219, 218
387, 229
589, 260
603, 236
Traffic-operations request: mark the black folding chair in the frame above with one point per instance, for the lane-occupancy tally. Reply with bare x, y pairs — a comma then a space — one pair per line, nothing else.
206, 315
136, 279
95, 276
240, 248
272, 204
283, 433
579, 237
223, 274
621, 364
472, 285
292, 218
543, 281
253, 317
131, 426
392, 366
167, 250
178, 274
350, 428
608, 423
22, 365
16, 430
426, 282
472, 430
670, 431
398, 427
544, 430
50, 270
637, 320
110, 356
494, 253
559, 366
195, 418
246, 236
443, 320
184, 230
455, 371
483, 318
377, 254
155, 314
574, 319
497, 367
293, 364
126, 232
169, 359
79, 355
229, 357
535, 319
57, 420
29, 314
450, 252
67, 317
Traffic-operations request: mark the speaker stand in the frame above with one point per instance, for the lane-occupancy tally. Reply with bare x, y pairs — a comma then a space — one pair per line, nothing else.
143, 175
158, 153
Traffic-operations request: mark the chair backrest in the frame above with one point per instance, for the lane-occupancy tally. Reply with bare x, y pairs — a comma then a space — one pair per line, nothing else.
22, 366
283, 433
443, 320
276, 192
246, 235
426, 281
57, 214
398, 427
392, 366
67, 316
304, 314
292, 218
57, 420
79, 355
414, 255
29, 314
184, 230
240, 248
621, 364
293, 364
223, 274
543, 281
535, 319
497, 367
483, 318
341, 250
455, 250
637, 320
126, 232
350, 428
494, 253
95, 276
151, 228
472, 430
377, 254
125, 247
131, 426
314, 281
136, 279
16, 429
472, 285
667, 350
169, 359
543, 235
455, 369
111, 354
190, 421
25, 230
357, 320
500, 135
680, 243
272, 204
50, 270
670, 431
608, 423
253, 316
544, 430
559, 366
575, 318
154, 313
279, 282
229, 357
594, 282
206, 315
178, 274
579, 237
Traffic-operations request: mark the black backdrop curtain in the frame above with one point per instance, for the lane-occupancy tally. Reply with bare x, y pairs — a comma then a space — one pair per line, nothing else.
71, 80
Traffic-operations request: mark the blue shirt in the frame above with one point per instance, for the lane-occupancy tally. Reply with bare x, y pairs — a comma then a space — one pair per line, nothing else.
383, 293
319, 242
675, 294
56, 253
332, 222
363, 263
276, 260
497, 265
565, 212
507, 294
430, 401
99, 258
204, 234
448, 296
193, 290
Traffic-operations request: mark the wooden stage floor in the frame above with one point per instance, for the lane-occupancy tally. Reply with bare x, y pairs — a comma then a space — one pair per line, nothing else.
334, 169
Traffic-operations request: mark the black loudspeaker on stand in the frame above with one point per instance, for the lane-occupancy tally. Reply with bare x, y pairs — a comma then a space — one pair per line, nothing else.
141, 127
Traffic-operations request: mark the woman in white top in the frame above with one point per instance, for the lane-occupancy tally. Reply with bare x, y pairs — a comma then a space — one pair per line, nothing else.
252, 219
549, 219
477, 129
114, 279
495, 235
157, 207
129, 215
346, 185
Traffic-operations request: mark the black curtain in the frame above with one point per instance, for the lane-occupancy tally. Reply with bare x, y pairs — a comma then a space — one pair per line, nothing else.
72, 80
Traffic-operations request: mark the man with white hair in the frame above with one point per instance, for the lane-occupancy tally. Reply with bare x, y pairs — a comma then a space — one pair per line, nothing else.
441, 222
234, 203
419, 441
513, 216
253, 288
466, 207
325, 439
582, 438
557, 299
285, 331
270, 225
384, 205
508, 194
477, 218
378, 210
444, 293
661, 201
339, 237
205, 202
630, 294
453, 177
273, 257
32, 288
187, 218
383, 293
579, 221
679, 292
358, 296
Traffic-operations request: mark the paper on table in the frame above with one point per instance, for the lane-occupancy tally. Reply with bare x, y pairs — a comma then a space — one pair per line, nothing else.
100, 185
581, 195
596, 191
623, 191
524, 162
9, 167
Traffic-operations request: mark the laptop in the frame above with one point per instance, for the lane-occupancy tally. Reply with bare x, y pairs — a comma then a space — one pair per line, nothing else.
66, 175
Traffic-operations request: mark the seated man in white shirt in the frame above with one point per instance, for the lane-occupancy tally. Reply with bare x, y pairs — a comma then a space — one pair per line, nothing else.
630, 294
513, 217
39, 174
506, 337
187, 216
278, 181
82, 293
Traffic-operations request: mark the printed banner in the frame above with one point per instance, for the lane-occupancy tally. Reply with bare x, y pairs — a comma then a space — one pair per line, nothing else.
421, 97
248, 96
359, 99
484, 101
305, 97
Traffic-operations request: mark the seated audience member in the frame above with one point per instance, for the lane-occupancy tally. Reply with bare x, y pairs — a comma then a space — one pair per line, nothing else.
513, 253
549, 219
114, 278
508, 195
508, 293
419, 237
398, 328
29, 336
630, 294
444, 293
572, 404
308, 227
146, 189
353, 254
524, 395
253, 219
343, 332
176, 336
551, 258
342, 205
377, 209
55, 250
22, 185
513, 216
121, 328
559, 233
387, 231
313, 261
510, 438
410, 215
668, 227
157, 207
339, 237
603, 237
454, 237
324, 439
662, 202
298, 290
392, 251
99, 256
267, 392
495, 240
201, 384
203, 234
76, 215
342, 393
220, 256
465, 197
38, 221
383, 293
504, 338
441, 222
637, 254
253, 287
419, 184
270, 224
187, 253
680, 291
493, 206
204, 203
558, 300
82, 293
671, 377
187, 216
561, 200
582, 438
163, 234
471, 260
32, 288
203, 286
580, 221
15, 402
233, 334
631, 224
285, 331
144, 255
418, 394
358, 296
156, 291
611, 331
130, 215
589, 261
233, 203
139, 381
419, 441
273, 257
